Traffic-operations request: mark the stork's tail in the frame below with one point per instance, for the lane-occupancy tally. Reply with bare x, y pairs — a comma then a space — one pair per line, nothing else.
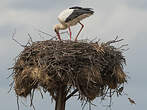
90, 10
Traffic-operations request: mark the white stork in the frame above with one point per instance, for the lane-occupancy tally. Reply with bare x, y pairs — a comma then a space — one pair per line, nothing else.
71, 17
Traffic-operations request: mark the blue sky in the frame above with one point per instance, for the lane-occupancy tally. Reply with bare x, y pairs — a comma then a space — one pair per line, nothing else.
125, 18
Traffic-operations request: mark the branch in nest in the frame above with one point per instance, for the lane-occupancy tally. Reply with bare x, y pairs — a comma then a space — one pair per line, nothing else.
13, 34
46, 33
30, 39
113, 41
31, 99
50, 34
17, 102
70, 95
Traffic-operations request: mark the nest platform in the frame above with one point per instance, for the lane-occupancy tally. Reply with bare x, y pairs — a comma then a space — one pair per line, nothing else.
89, 68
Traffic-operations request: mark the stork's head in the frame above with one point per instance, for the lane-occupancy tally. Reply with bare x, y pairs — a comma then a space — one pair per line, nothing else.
56, 28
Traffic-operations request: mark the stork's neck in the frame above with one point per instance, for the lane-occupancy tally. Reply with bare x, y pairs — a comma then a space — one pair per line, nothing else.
60, 26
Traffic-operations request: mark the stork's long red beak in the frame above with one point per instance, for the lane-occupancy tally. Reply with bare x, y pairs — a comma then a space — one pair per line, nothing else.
58, 36
57, 32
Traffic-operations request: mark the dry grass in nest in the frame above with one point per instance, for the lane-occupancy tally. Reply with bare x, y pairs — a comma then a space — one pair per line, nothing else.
90, 68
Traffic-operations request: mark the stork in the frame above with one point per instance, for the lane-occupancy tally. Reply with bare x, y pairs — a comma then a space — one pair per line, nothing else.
71, 17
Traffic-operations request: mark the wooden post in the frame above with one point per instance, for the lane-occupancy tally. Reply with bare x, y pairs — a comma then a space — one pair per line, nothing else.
60, 98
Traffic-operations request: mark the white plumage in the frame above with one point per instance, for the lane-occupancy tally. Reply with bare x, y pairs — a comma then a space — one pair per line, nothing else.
64, 14
71, 17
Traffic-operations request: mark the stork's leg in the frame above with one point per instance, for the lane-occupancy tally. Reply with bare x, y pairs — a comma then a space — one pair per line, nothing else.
79, 31
69, 32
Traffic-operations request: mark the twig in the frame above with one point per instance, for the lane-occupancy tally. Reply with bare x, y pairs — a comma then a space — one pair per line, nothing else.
30, 38
11, 85
40, 93
113, 41
45, 33
41, 36
122, 46
64, 32
105, 94
10, 74
13, 34
93, 40
17, 102
89, 106
23, 103
51, 35
110, 104
70, 95
31, 97
84, 104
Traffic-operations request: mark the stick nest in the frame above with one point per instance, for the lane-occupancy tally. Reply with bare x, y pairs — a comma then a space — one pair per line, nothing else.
91, 68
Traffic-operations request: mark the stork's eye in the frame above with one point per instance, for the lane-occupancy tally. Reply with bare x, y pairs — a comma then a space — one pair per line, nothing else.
55, 30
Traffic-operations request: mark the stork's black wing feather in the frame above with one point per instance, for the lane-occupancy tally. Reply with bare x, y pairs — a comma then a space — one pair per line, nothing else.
88, 9
77, 12
76, 7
